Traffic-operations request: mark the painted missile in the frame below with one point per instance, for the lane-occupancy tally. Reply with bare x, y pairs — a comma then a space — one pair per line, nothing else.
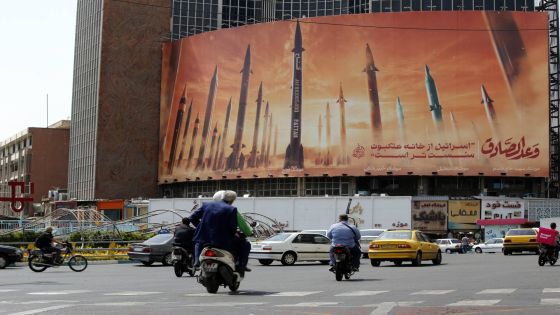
373, 93
400, 113
212, 146
454, 125
328, 120
342, 105
488, 106
224, 137
320, 133
267, 159
207, 118
236, 160
252, 161
263, 155
185, 134
216, 156
176, 131
194, 134
294, 152
275, 140
433, 99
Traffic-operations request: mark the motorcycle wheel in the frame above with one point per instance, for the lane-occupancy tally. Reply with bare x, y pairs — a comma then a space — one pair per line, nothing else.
178, 270
338, 273
552, 262
212, 285
542, 261
78, 263
234, 287
34, 262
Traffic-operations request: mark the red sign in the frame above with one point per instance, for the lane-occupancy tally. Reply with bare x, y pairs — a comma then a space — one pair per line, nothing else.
17, 202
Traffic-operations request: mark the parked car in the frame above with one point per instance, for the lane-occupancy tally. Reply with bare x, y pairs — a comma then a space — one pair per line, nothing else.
518, 240
291, 247
157, 248
368, 235
449, 245
9, 255
493, 245
403, 245
322, 232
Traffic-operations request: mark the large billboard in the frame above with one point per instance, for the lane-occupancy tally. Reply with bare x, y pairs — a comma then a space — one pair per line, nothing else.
463, 214
405, 93
429, 215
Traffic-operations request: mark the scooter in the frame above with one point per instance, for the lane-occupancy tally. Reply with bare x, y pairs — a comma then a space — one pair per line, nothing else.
342, 262
183, 261
218, 268
547, 254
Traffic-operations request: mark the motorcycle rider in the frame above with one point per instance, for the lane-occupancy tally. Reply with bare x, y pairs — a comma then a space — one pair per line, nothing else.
343, 234
45, 243
557, 243
184, 234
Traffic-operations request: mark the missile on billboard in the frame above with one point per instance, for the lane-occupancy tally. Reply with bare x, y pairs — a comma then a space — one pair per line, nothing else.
261, 159
267, 157
400, 119
433, 99
252, 161
224, 137
207, 118
373, 93
176, 131
185, 134
328, 131
294, 152
275, 140
342, 105
194, 134
216, 162
320, 133
490, 111
212, 146
236, 160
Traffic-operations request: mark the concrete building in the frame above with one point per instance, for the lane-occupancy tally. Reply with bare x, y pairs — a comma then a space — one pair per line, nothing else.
37, 155
115, 99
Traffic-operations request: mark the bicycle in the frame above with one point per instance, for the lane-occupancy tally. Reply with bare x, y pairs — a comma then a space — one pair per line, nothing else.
39, 261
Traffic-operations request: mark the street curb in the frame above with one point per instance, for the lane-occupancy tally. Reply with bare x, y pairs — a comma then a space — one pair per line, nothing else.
90, 262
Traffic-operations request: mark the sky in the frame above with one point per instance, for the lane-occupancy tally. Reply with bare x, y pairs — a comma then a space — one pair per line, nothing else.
36, 59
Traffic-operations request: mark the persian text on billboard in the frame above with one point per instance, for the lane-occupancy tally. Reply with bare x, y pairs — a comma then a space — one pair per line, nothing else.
463, 214
429, 215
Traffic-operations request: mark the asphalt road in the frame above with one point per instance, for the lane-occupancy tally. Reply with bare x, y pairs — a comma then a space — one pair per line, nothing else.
463, 284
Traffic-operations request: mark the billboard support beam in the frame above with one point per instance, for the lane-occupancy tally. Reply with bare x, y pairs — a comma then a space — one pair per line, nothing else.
551, 7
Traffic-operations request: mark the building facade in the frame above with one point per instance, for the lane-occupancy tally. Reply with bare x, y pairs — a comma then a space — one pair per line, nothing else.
37, 155
115, 99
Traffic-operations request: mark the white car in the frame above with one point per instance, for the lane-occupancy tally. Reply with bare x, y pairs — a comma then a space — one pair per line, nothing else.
368, 235
493, 245
449, 245
291, 247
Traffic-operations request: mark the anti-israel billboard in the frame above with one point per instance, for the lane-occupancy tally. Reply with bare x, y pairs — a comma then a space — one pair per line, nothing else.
406, 93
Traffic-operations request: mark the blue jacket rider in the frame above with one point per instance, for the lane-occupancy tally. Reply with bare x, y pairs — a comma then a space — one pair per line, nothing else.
342, 233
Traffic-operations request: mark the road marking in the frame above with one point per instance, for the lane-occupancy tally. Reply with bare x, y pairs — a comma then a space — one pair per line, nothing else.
308, 304
361, 293
432, 292
59, 292
132, 293
497, 291
119, 304
550, 301
37, 302
41, 310
545, 290
8, 290
386, 307
200, 294
224, 304
294, 293
475, 303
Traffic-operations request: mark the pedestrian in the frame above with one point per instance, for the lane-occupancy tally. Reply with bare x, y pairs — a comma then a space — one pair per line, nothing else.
465, 243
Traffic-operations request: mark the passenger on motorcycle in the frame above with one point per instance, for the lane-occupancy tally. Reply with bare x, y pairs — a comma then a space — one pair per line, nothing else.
343, 234
184, 234
557, 247
45, 242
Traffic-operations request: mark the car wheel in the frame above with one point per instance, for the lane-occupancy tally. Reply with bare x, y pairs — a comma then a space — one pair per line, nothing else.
288, 259
448, 251
167, 260
418, 260
265, 262
478, 250
437, 261
375, 262
3, 261
147, 263
397, 262
506, 252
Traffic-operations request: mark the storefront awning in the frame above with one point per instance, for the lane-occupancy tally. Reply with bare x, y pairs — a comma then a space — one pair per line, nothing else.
502, 222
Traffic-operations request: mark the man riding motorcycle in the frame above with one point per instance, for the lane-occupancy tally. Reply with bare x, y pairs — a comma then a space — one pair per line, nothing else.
184, 234
557, 247
343, 234
45, 243
216, 225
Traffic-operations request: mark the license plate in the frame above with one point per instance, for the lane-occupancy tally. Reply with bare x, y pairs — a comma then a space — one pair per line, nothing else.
137, 249
389, 246
210, 267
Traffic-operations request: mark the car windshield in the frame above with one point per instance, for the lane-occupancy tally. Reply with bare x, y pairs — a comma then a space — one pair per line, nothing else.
521, 232
455, 241
370, 232
159, 239
395, 235
279, 237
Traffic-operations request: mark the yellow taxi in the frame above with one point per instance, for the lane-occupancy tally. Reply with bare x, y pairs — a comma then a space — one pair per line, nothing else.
518, 240
403, 245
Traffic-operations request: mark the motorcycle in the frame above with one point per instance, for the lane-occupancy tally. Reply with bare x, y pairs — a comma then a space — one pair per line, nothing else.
182, 261
342, 262
547, 254
218, 268
39, 261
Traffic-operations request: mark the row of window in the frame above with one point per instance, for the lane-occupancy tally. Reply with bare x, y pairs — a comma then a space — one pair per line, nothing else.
449, 5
